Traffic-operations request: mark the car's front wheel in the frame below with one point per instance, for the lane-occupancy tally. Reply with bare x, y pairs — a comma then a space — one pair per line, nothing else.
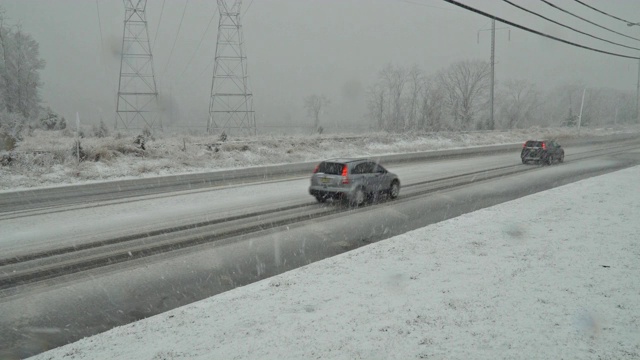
394, 189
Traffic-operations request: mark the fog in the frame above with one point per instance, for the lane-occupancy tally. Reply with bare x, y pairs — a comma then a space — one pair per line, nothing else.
297, 48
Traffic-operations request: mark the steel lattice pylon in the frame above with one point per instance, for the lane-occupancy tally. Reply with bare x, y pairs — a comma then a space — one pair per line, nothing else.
231, 105
137, 102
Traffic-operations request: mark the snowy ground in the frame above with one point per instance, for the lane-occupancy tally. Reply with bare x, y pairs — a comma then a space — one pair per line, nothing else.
45, 158
553, 275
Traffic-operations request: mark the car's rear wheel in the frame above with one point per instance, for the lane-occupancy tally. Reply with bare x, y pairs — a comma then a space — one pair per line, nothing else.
321, 198
358, 197
524, 161
394, 190
561, 159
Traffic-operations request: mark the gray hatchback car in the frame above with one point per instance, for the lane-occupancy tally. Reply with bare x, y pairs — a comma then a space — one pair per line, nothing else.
352, 180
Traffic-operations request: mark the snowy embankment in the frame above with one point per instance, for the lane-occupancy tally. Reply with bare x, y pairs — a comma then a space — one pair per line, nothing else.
46, 158
553, 275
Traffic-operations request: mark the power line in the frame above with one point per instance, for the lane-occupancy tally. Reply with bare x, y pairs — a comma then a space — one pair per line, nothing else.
590, 22
159, 21
429, 6
177, 34
245, 12
604, 13
568, 27
100, 26
466, 7
200, 43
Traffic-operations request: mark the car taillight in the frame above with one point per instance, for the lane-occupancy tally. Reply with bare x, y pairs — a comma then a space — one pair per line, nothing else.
345, 179
524, 145
544, 146
316, 169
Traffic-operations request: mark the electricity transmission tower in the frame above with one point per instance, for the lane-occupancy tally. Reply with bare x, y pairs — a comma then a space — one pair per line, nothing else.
231, 104
137, 102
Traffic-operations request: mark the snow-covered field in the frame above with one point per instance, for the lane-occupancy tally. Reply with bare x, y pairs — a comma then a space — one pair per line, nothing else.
553, 275
46, 158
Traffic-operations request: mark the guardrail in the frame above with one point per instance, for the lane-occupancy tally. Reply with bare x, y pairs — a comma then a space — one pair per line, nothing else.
192, 181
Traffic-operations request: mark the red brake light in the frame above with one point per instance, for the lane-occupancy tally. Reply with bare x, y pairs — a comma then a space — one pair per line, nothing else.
544, 146
316, 169
345, 179
524, 145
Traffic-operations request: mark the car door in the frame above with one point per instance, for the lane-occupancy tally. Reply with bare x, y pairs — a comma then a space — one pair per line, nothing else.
557, 150
359, 175
364, 169
379, 177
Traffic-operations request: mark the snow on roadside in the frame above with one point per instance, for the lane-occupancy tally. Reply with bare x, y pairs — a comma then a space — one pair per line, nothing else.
553, 275
44, 158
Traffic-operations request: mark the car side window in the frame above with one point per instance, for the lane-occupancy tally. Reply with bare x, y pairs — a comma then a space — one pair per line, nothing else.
359, 169
369, 167
378, 169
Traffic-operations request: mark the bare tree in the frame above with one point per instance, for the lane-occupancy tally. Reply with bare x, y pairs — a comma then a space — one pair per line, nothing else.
386, 99
314, 105
466, 86
432, 109
377, 99
518, 104
416, 84
395, 79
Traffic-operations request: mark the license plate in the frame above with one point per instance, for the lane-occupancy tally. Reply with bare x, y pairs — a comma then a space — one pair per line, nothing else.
325, 180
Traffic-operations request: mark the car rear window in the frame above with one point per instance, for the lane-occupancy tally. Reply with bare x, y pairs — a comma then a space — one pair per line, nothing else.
531, 143
330, 168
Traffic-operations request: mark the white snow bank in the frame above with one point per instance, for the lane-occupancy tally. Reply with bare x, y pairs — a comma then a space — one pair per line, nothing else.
553, 275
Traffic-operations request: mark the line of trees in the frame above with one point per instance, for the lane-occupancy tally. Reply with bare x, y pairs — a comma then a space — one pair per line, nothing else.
405, 99
458, 98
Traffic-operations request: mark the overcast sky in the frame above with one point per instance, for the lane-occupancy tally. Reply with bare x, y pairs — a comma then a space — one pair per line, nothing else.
301, 47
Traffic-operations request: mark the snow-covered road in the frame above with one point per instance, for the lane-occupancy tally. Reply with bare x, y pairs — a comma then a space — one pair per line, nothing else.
80, 224
550, 275
109, 219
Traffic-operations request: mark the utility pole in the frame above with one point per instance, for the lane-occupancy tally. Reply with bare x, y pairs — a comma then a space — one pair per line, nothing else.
638, 94
638, 83
580, 117
78, 136
231, 104
137, 102
493, 67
